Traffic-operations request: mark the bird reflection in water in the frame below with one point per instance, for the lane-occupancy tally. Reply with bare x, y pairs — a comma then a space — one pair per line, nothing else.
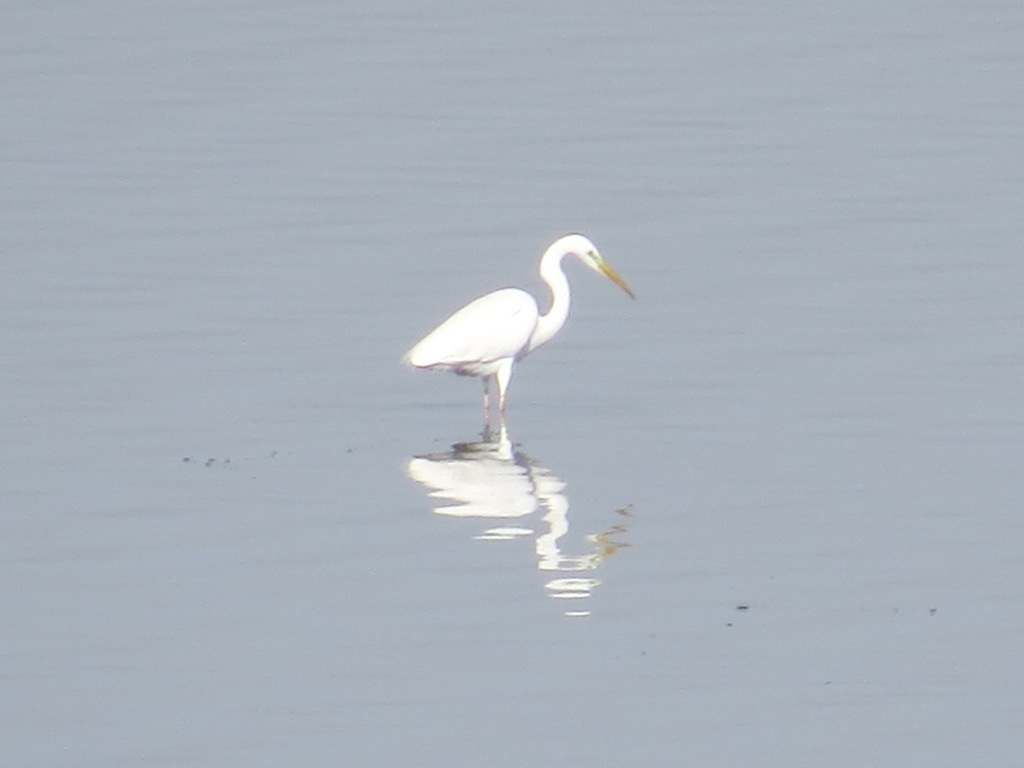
492, 480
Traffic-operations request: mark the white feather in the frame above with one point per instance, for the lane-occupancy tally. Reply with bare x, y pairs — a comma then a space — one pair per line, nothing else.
501, 322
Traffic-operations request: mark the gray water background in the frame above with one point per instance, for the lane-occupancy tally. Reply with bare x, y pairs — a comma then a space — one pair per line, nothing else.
222, 224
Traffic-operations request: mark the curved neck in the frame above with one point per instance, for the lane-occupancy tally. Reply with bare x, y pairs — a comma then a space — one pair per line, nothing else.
552, 321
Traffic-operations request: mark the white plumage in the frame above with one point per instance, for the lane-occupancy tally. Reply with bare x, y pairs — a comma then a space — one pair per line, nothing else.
488, 335
505, 320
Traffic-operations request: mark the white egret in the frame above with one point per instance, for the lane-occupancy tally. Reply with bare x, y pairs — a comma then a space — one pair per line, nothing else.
488, 336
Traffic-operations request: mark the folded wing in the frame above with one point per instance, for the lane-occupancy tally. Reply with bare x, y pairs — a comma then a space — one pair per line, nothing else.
495, 327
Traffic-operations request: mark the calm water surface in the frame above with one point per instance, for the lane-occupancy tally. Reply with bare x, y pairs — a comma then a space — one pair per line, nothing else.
768, 513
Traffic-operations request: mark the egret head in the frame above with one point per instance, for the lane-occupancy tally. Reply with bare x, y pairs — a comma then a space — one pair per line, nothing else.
581, 247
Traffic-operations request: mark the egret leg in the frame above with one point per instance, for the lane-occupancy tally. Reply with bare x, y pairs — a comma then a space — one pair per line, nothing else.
487, 400
503, 376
